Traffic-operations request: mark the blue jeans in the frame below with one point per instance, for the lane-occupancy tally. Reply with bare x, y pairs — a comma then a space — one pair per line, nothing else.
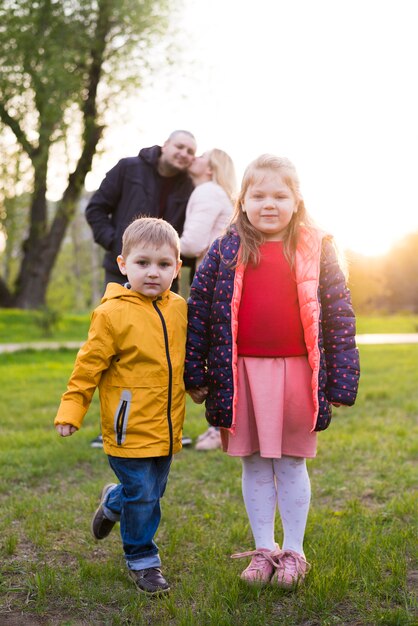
136, 503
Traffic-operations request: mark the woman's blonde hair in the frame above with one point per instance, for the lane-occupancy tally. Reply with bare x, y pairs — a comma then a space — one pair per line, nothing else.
223, 171
251, 238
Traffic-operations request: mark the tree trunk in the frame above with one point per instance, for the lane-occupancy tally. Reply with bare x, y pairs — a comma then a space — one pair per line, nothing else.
31, 268
6, 297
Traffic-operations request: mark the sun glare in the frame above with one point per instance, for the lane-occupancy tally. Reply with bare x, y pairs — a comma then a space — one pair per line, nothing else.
289, 81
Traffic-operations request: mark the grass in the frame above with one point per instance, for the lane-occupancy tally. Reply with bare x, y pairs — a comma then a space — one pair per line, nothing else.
387, 323
17, 326
360, 539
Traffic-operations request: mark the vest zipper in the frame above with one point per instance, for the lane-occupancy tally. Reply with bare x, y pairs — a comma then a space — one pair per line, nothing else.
170, 375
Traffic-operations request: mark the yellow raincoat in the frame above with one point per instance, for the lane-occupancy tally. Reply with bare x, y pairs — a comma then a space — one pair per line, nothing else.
134, 354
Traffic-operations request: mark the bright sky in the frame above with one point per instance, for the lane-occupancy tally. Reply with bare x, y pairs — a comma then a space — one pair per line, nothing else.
331, 84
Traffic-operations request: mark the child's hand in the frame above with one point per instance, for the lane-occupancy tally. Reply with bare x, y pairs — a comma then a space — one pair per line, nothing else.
199, 394
65, 430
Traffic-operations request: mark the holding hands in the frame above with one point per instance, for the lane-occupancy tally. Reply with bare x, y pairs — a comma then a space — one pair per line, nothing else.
198, 394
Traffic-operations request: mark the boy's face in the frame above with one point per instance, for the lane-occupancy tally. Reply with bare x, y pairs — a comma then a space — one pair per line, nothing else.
150, 270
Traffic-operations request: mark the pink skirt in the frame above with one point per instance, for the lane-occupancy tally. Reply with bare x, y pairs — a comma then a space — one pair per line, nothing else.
274, 409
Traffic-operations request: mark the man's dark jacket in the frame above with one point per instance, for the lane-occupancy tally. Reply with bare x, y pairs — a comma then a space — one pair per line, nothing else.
132, 189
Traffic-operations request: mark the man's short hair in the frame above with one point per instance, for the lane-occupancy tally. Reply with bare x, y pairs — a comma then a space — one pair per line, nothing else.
150, 231
178, 132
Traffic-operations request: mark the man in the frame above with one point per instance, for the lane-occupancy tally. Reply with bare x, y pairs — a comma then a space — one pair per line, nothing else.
154, 184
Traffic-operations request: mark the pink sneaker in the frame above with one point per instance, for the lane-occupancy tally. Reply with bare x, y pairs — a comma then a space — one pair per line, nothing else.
209, 440
291, 569
262, 565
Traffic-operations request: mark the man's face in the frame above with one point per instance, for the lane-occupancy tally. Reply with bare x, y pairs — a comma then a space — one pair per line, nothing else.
178, 152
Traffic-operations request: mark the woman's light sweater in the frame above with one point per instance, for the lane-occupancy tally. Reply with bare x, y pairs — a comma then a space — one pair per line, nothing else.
208, 212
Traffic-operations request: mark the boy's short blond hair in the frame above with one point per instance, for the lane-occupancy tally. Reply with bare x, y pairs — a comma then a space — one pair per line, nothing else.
150, 231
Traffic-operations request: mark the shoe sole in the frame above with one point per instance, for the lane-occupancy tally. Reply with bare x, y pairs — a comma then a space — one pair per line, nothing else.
256, 583
158, 592
102, 495
287, 586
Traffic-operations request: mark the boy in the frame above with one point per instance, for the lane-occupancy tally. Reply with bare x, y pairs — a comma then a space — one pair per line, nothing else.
135, 355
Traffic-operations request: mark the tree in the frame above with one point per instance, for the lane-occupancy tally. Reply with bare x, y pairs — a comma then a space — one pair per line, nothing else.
61, 63
388, 283
401, 271
367, 283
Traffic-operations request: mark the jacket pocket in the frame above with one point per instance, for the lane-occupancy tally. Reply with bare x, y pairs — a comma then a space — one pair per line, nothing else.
120, 421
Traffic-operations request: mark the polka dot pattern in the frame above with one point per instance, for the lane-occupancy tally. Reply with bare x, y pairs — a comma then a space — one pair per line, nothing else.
327, 317
340, 367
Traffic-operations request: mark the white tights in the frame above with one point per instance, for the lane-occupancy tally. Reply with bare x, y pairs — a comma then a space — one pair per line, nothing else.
285, 481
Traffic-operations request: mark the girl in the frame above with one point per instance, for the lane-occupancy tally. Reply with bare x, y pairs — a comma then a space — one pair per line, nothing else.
271, 346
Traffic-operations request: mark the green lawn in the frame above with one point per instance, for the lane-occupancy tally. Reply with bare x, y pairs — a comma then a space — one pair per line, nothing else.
18, 326
361, 535
387, 324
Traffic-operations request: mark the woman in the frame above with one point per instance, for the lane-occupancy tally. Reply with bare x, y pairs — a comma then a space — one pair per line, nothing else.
208, 212
210, 205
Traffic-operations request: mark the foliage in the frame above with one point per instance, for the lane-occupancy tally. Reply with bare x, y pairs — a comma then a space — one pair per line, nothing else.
361, 534
77, 279
62, 64
401, 272
47, 320
17, 326
383, 285
367, 282
13, 204
388, 283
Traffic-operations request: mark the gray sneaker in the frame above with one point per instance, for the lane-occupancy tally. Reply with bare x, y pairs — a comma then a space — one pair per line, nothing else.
150, 580
97, 442
100, 524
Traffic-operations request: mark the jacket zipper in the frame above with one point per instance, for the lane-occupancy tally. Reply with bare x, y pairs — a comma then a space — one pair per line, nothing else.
170, 375
120, 421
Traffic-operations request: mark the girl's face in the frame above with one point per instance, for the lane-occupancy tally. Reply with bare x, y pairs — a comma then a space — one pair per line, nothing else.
269, 204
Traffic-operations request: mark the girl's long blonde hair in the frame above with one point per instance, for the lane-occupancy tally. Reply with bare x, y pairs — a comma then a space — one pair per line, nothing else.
223, 171
251, 238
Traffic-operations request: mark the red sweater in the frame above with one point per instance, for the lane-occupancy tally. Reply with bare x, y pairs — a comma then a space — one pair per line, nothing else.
269, 323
